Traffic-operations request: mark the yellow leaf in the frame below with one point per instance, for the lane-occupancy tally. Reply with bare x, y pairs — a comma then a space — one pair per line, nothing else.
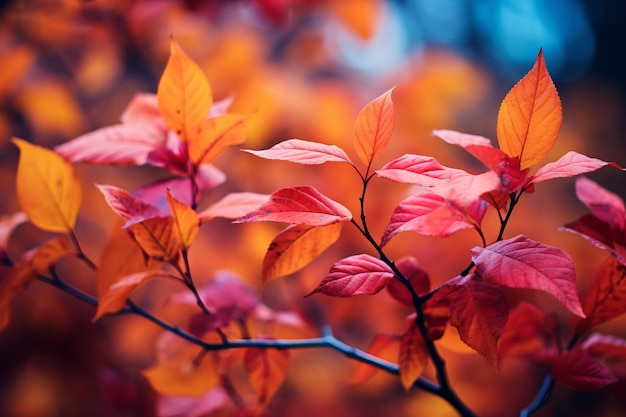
373, 127
530, 116
158, 238
267, 369
47, 188
413, 357
184, 94
216, 134
295, 247
185, 219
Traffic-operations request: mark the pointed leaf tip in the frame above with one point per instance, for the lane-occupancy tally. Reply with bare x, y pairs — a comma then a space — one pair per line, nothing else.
373, 127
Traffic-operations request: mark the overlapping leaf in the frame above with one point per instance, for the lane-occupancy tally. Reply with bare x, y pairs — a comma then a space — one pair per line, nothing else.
234, 205
267, 369
412, 357
215, 135
520, 262
129, 207
48, 189
529, 331
411, 269
303, 152
577, 370
158, 237
530, 116
297, 246
355, 275
299, 205
185, 220
373, 127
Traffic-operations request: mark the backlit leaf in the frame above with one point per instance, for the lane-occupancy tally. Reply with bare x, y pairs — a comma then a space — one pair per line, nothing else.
299, 205
530, 116
520, 262
604, 205
297, 246
373, 127
158, 237
607, 297
47, 188
115, 297
303, 152
129, 207
577, 370
185, 220
478, 146
234, 205
412, 357
384, 346
569, 165
267, 369
184, 94
355, 275
215, 135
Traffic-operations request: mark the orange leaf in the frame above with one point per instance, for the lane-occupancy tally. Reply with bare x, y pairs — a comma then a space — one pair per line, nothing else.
413, 357
8, 223
47, 188
36, 261
121, 256
384, 346
607, 298
215, 135
360, 16
530, 116
115, 297
295, 247
184, 94
158, 237
183, 369
185, 219
373, 127
267, 369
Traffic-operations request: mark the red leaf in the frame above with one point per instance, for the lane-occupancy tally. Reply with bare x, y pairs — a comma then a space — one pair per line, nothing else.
430, 215
295, 247
129, 207
600, 234
303, 152
455, 185
413, 357
605, 347
267, 369
478, 146
520, 262
299, 205
373, 127
355, 275
577, 370
607, 297
569, 165
234, 205
530, 116
412, 270
528, 331
479, 311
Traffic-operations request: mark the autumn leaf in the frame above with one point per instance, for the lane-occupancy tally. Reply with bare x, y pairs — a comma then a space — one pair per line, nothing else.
184, 94
569, 165
384, 346
530, 116
47, 188
267, 369
355, 275
234, 205
520, 262
215, 135
607, 297
611, 350
158, 237
577, 370
303, 152
36, 261
412, 357
8, 223
116, 296
129, 207
373, 127
297, 246
411, 269
185, 219
299, 205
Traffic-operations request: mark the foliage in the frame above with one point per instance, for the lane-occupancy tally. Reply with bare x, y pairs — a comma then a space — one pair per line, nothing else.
224, 335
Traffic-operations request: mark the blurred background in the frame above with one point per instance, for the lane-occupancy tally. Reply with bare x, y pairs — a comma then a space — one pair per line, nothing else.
304, 68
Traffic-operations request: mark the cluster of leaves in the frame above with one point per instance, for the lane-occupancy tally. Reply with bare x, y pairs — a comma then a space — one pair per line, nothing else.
181, 130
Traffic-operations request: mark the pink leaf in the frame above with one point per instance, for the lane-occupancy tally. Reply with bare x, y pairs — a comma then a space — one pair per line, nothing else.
600, 234
299, 205
520, 262
234, 205
427, 214
478, 146
131, 208
412, 270
603, 204
577, 370
570, 164
303, 152
355, 275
